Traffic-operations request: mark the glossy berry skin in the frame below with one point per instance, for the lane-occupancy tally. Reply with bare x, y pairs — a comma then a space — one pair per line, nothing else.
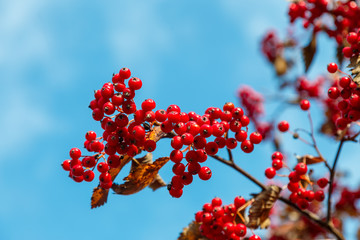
270, 172
161, 115
176, 193
332, 67
319, 196
254, 237
239, 201
304, 104
176, 156
75, 153
277, 164
66, 165
102, 167
333, 92
255, 137
277, 155
205, 173
247, 146
322, 182
301, 169
283, 126
125, 73
216, 202
90, 135
88, 175
135, 83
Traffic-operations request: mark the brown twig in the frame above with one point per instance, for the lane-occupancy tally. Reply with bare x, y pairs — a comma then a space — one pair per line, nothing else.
331, 181
315, 218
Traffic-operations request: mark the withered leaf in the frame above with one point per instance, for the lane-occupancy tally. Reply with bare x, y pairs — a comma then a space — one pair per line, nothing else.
192, 232
309, 159
280, 65
99, 197
309, 52
141, 175
355, 68
261, 207
157, 183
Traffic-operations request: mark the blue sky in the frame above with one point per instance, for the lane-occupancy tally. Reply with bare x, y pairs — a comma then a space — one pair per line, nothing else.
53, 54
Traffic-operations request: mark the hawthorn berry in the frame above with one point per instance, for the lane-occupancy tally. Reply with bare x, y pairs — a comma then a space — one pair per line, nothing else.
247, 146
270, 172
332, 67
322, 182
124, 73
283, 126
88, 175
205, 173
254, 237
255, 138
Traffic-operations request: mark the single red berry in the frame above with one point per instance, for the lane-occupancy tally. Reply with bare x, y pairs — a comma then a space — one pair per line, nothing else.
352, 37
187, 178
138, 132
187, 139
102, 167
239, 201
240, 230
304, 104
294, 197
237, 113
198, 216
283, 126
208, 207
106, 185
129, 107
211, 148
255, 138
294, 177
176, 193
77, 170
66, 165
245, 120
206, 130
303, 204
247, 146
333, 92
231, 143
113, 161
88, 175
176, 156
135, 83
277, 155
166, 126
191, 156
78, 178
332, 67
199, 142
149, 145
173, 107
218, 212
270, 172
319, 195
345, 82
176, 182
173, 117
277, 164
194, 168
241, 136
293, 186
178, 168
301, 169
254, 237
322, 182
90, 135
125, 73
309, 195
107, 91
216, 202
160, 115
75, 153
220, 141
229, 106
205, 173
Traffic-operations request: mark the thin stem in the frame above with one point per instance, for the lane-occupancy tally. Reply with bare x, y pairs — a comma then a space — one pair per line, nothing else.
239, 169
313, 217
331, 182
313, 136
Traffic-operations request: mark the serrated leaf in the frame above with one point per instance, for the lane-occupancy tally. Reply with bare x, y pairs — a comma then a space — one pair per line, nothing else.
99, 197
192, 232
309, 159
141, 175
309, 52
260, 209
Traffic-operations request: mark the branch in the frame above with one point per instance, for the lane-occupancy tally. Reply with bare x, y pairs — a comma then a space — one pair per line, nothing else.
313, 217
331, 181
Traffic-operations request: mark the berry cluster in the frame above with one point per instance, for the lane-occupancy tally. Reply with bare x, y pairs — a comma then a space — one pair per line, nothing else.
271, 46
194, 136
353, 39
345, 16
218, 222
347, 96
299, 193
253, 102
197, 136
307, 88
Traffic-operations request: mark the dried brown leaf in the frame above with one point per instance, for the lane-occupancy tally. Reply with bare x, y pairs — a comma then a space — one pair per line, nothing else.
355, 68
309, 52
141, 175
192, 232
280, 65
157, 183
260, 209
99, 197
309, 159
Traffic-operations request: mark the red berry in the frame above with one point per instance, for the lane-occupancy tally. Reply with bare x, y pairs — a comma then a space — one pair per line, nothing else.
301, 169
283, 126
239, 201
270, 172
319, 196
106, 185
229, 106
173, 107
352, 37
322, 182
231, 143
294, 177
90, 135
77, 170
160, 115
176, 193
187, 139
135, 83
277, 164
255, 137
176, 156
178, 168
345, 82
88, 175
254, 237
124, 73
309, 195
149, 145
333, 93
211, 148
277, 155
304, 104
75, 153
241, 136
187, 178
205, 173
66, 165
303, 204
240, 230
102, 167
332, 67
247, 146
216, 202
